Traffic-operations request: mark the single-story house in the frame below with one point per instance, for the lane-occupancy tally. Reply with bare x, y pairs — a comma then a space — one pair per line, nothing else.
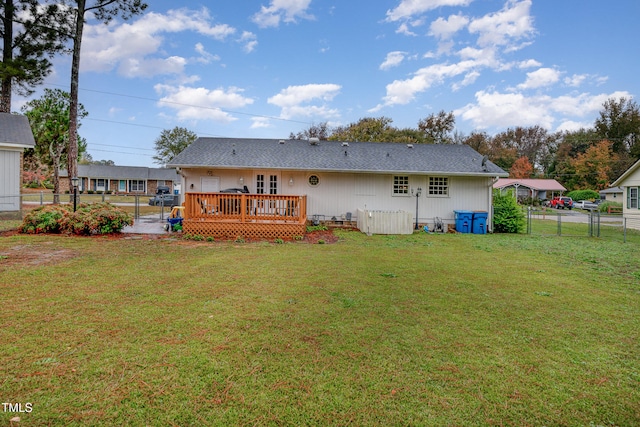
630, 184
612, 194
329, 180
15, 136
121, 179
540, 189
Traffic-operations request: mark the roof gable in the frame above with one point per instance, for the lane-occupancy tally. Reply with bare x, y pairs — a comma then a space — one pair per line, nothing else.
335, 156
629, 172
15, 130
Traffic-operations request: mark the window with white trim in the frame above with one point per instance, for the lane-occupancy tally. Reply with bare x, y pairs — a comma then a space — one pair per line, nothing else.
632, 198
438, 186
136, 186
400, 185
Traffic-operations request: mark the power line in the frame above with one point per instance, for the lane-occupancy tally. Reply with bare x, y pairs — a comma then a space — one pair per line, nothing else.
188, 105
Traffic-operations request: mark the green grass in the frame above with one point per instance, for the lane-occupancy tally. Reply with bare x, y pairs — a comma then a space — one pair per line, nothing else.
382, 330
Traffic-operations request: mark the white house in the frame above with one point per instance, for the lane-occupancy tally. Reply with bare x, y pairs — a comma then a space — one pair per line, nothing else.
338, 179
15, 136
630, 184
540, 189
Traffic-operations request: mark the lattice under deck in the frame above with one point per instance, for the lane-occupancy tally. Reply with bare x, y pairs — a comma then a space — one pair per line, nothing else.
247, 230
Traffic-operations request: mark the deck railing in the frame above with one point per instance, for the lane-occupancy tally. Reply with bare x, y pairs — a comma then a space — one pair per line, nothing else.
243, 208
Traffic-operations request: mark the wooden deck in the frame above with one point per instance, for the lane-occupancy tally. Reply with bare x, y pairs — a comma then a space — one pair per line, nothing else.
262, 216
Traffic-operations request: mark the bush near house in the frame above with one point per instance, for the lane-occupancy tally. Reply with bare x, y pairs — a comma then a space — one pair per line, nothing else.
507, 215
583, 195
97, 218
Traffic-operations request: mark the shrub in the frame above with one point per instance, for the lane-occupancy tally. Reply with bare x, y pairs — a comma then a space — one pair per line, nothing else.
98, 218
604, 207
45, 219
583, 195
507, 215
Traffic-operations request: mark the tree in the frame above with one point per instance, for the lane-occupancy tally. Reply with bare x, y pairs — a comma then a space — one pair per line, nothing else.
437, 128
171, 142
49, 119
619, 122
507, 215
31, 33
595, 167
521, 169
104, 11
368, 129
320, 131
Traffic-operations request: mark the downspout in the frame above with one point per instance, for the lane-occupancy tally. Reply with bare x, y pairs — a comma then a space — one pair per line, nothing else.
492, 181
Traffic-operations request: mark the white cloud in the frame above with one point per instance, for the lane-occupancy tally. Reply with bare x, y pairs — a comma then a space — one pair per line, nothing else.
503, 110
501, 28
540, 78
295, 100
249, 40
260, 123
129, 47
404, 91
529, 63
282, 10
409, 8
205, 57
404, 29
446, 28
393, 59
494, 109
193, 103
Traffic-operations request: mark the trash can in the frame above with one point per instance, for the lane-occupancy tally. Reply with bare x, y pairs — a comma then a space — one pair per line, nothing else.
464, 220
480, 222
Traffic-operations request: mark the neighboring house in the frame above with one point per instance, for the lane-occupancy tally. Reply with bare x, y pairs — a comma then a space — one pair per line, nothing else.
121, 179
630, 184
15, 136
613, 194
338, 179
540, 189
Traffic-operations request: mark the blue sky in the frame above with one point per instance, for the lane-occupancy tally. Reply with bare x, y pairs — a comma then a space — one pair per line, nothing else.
268, 68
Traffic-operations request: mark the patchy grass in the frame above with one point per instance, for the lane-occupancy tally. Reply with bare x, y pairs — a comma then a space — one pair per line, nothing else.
382, 330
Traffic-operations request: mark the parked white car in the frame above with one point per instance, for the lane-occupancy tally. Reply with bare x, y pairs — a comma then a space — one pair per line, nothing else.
585, 204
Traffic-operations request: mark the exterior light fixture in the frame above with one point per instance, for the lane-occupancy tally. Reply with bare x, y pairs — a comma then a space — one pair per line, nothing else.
74, 182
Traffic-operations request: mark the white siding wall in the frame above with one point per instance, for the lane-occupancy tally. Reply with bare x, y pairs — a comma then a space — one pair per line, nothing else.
9, 180
339, 193
632, 216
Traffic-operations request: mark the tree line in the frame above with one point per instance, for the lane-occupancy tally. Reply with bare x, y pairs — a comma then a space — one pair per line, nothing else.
33, 32
590, 158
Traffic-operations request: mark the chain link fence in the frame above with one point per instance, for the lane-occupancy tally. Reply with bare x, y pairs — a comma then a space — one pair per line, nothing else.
580, 223
140, 206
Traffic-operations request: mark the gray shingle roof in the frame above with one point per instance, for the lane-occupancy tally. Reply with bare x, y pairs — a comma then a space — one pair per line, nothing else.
124, 172
232, 153
15, 130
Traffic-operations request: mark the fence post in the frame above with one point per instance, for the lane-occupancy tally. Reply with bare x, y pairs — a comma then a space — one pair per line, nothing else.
41, 198
529, 220
624, 228
559, 224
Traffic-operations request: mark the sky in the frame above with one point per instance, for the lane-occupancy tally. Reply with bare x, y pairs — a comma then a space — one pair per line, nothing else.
267, 68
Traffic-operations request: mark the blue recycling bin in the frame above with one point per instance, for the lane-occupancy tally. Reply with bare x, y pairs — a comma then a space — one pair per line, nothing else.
464, 220
480, 222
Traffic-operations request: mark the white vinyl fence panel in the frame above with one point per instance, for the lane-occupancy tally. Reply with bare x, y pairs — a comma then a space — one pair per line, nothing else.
384, 222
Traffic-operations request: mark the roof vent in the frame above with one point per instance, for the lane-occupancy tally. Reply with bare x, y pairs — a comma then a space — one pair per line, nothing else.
314, 141
345, 144
281, 141
409, 145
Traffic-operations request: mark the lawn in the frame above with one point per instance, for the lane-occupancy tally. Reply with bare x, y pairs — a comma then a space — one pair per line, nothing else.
382, 330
